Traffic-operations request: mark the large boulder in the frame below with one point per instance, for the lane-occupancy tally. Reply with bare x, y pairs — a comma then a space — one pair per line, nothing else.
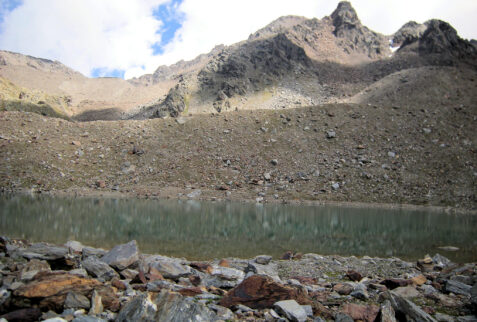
259, 292
122, 256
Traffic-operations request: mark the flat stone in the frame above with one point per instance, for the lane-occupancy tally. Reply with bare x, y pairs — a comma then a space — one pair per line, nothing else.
88, 318
44, 251
343, 288
29, 314
97, 268
170, 268
258, 292
224, 277
122, 256
164, 306
392, 283
407, 292
263, 259
76, 301
341, 317
90, 251
458, 288
291, 310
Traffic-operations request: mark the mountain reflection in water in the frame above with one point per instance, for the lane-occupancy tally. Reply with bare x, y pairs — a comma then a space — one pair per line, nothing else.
206, 230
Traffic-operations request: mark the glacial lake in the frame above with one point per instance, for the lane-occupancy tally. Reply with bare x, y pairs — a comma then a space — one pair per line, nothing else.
206, 230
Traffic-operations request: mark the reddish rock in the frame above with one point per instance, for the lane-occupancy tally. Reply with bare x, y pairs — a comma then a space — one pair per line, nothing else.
48, 284
305, 280
140, 278
203, 267
30, 314
109, 298
354, 276
343, 288
224, 263
101, 184
259, 292
154, 274
419, 280
139, 287
118, 284
366, 313
195, 280
392, 283
191, 291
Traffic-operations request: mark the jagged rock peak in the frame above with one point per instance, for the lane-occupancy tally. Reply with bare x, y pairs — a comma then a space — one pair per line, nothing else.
344, 16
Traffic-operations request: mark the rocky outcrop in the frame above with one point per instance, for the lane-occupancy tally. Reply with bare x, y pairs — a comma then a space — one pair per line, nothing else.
184, 291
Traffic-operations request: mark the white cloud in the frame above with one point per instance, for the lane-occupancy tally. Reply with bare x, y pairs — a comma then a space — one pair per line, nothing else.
118, 34
86, 34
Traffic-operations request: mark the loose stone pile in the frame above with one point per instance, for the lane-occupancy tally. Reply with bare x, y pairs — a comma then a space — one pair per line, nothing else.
73, 282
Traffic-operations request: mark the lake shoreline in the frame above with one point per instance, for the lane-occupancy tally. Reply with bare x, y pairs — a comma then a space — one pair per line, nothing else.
76, 282
212, 196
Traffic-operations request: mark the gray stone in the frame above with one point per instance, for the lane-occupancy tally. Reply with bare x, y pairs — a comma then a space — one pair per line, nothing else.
386, 313
98, 268
270, 270
341, 317
164, 306
335, 186
122, 256
308, 309
222, 312
5, 296
56, 319
408, 309
224, 277
31, 268
457, 288
360, 292
74, 246
44, 251
90, 251
76, 301
194, 194
467, 318
170, 268
79, 272
240, 308
274, 162
391, 154
440, 260
263, 259
291, 310
330, 134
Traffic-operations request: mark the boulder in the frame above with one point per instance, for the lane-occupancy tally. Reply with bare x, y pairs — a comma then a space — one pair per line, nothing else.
97, 268
270, 270
122, 256
360, 292
343, 288
224, 277
291, 310
170, 268
263, 259
164, 306
258, 292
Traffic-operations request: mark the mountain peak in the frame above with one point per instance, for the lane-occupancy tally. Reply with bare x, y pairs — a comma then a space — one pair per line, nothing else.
344, 17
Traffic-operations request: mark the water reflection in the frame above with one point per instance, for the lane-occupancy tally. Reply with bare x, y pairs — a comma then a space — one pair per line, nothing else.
204, 230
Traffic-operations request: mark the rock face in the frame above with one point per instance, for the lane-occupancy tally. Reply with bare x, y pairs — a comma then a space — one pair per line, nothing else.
122, 256
165, 306
260, 292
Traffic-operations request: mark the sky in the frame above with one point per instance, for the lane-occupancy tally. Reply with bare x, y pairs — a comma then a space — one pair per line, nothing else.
126, 38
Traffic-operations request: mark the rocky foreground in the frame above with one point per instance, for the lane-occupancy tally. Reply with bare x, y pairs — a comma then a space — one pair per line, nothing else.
73, 282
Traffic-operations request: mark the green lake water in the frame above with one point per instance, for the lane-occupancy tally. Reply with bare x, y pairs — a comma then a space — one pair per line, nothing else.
207, 230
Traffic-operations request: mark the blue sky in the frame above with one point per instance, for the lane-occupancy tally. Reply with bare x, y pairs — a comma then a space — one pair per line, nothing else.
125, 38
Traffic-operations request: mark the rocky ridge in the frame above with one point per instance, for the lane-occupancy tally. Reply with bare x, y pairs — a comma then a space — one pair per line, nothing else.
73, 282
